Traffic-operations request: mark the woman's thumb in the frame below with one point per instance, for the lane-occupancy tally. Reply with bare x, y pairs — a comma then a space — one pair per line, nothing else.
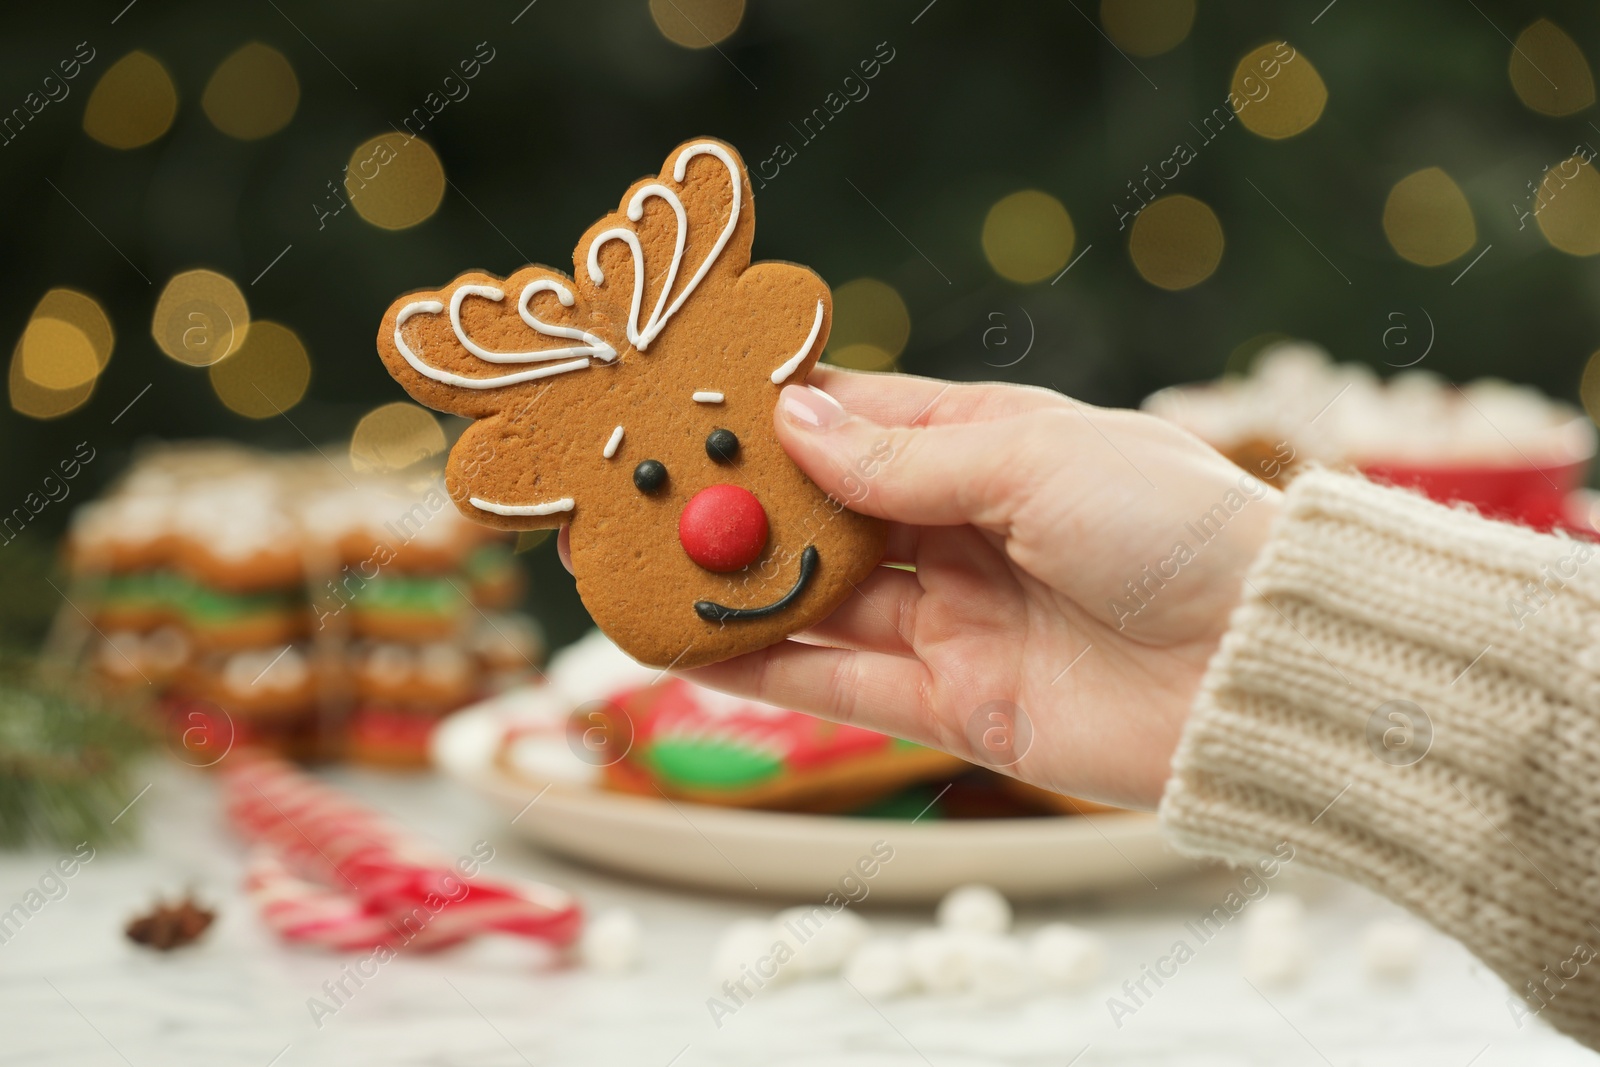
942, 475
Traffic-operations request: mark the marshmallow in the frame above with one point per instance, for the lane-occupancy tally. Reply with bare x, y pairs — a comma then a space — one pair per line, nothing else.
1275, 949
1392, 949
748, 946
1274, 957
1415, 417
975, 908
821, 938
879, 969
1066, 957
610, 941
941, 960
1000, 970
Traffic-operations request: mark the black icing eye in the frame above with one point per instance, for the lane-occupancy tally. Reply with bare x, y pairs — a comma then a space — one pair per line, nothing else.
649, 476
722, 445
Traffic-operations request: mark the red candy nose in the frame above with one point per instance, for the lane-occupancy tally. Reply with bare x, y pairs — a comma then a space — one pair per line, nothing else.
723, 528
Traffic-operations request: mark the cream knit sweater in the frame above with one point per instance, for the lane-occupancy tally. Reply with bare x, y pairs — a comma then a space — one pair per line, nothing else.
1372, 619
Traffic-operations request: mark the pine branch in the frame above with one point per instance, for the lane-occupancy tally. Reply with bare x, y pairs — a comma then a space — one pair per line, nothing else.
65, 752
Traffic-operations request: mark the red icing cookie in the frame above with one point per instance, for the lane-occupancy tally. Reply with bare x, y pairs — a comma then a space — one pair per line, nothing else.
691, 743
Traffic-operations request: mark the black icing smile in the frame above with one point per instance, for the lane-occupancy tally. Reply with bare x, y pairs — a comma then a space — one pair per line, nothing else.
712, 612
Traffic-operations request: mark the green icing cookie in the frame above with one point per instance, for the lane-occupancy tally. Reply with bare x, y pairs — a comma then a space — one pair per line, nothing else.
711, 764
167, 590
213, 606
409, 595
150, 589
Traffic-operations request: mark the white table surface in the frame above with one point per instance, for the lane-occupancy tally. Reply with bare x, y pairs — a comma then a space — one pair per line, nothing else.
74, 991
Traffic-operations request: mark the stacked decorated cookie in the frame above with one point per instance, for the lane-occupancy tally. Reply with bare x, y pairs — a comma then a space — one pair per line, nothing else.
286, 602
418, 597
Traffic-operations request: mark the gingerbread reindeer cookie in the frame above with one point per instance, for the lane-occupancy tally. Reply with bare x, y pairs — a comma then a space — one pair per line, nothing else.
633, 402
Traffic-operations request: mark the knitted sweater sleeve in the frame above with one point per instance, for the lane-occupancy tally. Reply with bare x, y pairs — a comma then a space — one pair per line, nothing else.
1410, 696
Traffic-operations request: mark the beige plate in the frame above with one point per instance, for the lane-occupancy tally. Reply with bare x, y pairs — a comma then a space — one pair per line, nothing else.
804, 856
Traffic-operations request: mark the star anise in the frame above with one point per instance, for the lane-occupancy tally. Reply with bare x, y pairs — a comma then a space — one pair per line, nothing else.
170, 926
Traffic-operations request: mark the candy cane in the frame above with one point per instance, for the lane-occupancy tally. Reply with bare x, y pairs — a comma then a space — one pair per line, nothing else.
301, 911
331, 873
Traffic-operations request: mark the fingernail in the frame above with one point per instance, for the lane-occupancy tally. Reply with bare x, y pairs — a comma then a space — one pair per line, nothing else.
809, 407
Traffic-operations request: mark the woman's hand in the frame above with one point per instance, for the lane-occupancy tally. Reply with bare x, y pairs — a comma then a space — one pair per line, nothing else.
1072, 571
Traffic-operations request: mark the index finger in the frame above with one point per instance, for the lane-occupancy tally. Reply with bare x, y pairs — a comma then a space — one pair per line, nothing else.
894, 399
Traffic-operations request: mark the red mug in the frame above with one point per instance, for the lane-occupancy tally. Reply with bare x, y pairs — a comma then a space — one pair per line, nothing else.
1533, 493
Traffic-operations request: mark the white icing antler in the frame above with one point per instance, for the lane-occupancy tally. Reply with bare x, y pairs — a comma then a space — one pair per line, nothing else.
639, 337
592, 346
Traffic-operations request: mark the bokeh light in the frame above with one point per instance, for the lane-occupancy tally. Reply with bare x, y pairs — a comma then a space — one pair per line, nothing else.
1589, 388
133, 103
395, 182
871, 325
394, 437
200, 317
697, 23
1176, 242
252, 94
1147, 27
1281, 97
57, 355
1549, 72
37, 402
266, 376
67, 341
1028, 236
1428, 220
1570, 218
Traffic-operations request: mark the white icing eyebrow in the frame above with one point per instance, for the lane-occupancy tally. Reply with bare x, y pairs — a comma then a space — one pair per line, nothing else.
550, 508
794, 361
611, 445
707, 396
